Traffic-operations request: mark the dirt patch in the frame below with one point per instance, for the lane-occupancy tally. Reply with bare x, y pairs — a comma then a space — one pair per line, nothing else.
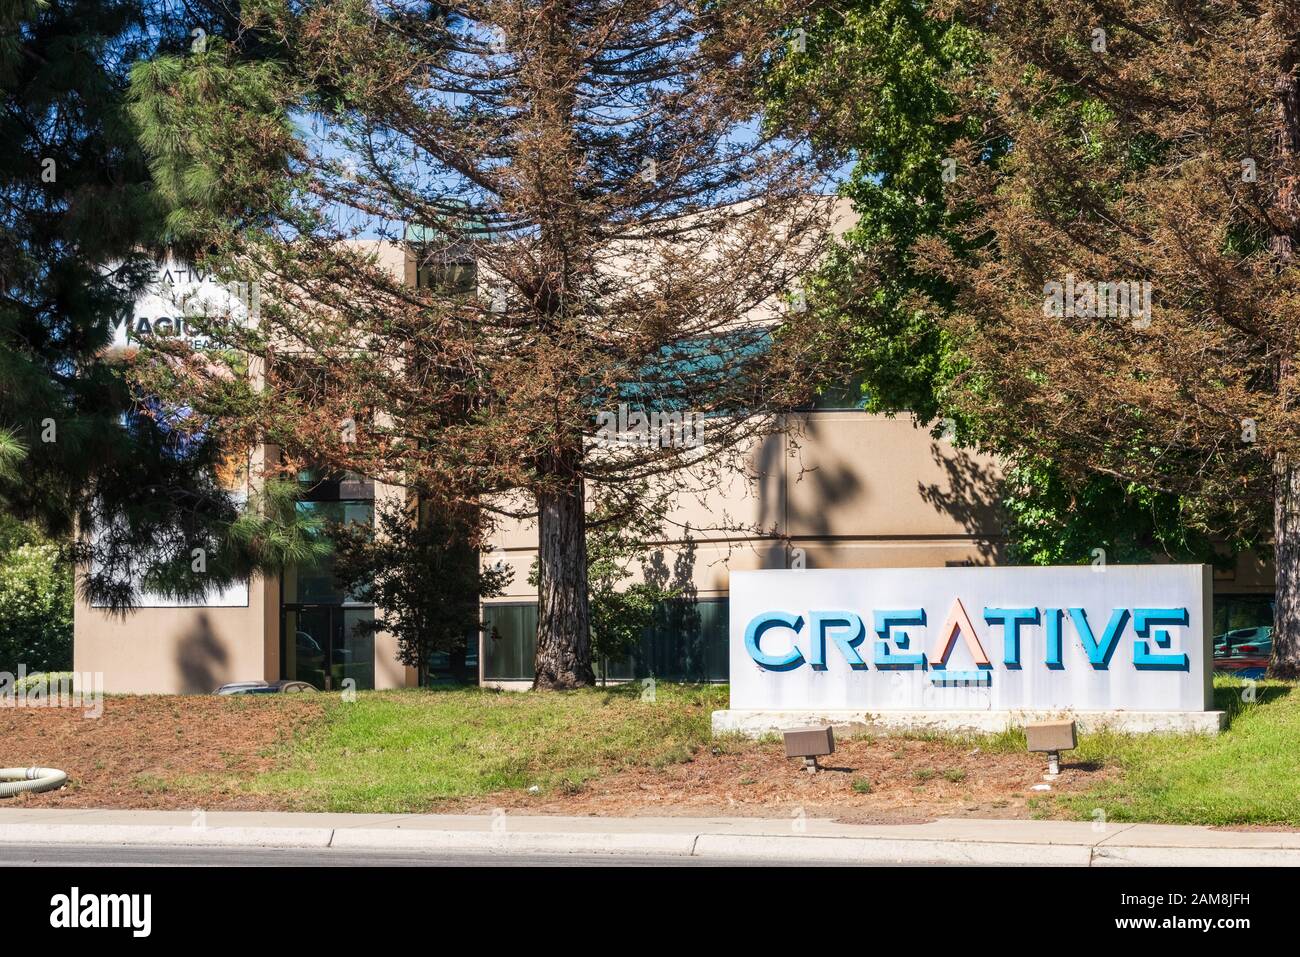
144, 751
882, 780
170, 752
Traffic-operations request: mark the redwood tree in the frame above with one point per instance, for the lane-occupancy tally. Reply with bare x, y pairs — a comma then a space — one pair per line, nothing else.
605, 229
1146, 142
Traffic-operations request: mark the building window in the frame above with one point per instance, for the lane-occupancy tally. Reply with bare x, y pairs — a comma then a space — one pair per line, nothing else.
314, 584
328, 646
686, 642
325, 634
1238, 612
841, 397
509, 641
451, 277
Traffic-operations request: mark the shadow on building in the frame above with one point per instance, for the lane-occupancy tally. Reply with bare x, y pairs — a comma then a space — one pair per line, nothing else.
200, 658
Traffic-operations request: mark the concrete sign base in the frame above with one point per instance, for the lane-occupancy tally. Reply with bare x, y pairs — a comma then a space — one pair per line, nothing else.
755, 724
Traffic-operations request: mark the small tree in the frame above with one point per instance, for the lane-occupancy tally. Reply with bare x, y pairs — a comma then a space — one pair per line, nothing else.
422, 570
620, 613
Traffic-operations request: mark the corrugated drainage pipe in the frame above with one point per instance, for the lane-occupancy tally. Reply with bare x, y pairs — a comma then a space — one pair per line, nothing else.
32, 780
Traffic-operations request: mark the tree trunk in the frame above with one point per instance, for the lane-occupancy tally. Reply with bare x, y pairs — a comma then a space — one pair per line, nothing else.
1286, 557
563, 634
1285, 662
456, 663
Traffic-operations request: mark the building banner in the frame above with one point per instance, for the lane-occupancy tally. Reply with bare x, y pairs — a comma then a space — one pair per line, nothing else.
185, 303
1116, 638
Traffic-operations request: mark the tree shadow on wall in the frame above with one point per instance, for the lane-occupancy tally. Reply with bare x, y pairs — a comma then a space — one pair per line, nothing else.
201, 658
779, 464
970, 495
676, 645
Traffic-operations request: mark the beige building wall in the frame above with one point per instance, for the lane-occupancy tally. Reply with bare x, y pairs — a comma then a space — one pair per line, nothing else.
850, 489
196, 649
180, 650
841, 489
1249, 575
183, 650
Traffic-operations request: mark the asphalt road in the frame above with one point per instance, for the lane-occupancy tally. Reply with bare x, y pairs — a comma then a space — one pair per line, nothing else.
73, 855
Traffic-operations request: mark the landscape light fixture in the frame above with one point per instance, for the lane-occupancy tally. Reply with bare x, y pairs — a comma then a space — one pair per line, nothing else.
1052, 737
809, 744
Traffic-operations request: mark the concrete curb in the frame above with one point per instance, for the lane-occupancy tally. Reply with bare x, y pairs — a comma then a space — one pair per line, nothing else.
551, 842
1122, 856
700, 839
869, 850
172, 836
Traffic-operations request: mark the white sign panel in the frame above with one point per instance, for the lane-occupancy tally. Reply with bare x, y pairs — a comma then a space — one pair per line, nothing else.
234, 595
184, 302
1087, 638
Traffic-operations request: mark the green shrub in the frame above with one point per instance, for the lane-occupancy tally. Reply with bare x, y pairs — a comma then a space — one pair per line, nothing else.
36, 593
47, 681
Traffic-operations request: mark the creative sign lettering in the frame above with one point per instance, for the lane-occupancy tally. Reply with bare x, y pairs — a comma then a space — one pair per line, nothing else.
1085, 638
186, 303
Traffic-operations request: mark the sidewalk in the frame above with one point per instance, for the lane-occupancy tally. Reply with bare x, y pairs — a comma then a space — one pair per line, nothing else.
946, 841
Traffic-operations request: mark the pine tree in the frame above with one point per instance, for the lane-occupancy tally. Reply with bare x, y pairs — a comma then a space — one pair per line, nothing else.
606, 233
80, 448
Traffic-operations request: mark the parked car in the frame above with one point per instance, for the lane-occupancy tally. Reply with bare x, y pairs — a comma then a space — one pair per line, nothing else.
266, 687
1244, 652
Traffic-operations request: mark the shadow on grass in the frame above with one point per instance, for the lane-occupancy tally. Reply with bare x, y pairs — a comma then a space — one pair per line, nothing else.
1231, 699
1082, 765
624, 692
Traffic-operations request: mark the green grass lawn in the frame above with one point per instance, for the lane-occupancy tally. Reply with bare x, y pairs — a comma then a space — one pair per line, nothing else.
1250, 774
397, 751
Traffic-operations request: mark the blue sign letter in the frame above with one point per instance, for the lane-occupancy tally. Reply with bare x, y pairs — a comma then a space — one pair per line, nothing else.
1011, 619
1052, 617
1143, 657
754, 634
836, 622
884, 621
1099, 653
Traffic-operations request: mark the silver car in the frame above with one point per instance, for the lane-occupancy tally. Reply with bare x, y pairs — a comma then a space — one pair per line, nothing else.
266, 687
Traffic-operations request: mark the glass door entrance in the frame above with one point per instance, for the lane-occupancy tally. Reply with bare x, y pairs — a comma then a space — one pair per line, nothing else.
322, 645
